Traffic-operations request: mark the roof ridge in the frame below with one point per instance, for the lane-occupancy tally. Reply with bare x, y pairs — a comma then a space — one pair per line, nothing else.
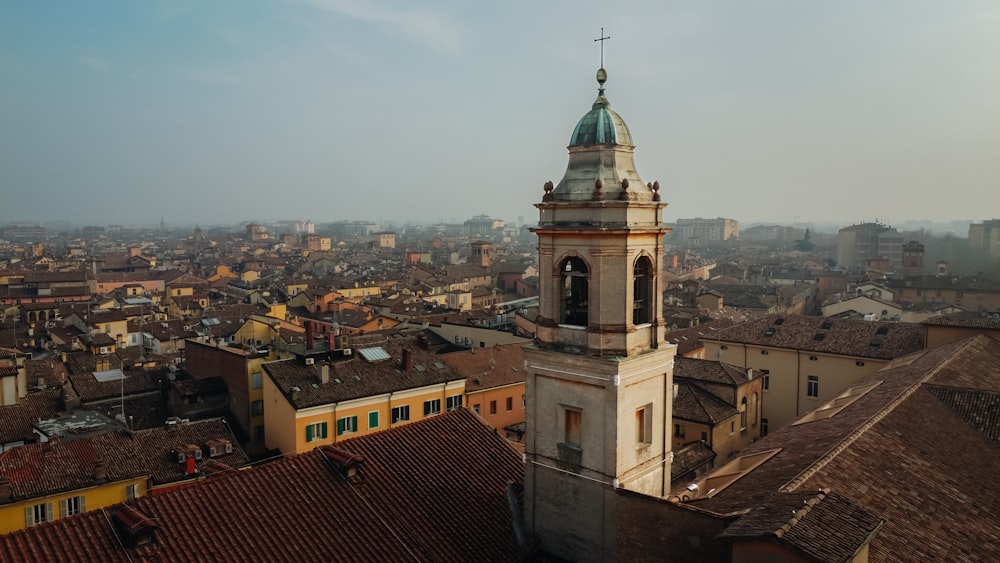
853, 436
801, 513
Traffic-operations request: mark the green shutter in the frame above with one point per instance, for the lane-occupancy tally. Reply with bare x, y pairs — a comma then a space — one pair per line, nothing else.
309, 433
29, 516
373, 419
323, 430
341, 423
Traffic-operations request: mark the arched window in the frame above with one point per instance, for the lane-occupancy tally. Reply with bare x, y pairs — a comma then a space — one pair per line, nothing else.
642, 291
574, 282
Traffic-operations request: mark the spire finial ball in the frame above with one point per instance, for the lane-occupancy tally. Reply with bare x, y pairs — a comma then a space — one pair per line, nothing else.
602, 76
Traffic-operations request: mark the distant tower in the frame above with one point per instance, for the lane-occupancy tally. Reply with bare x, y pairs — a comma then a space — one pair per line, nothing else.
913, 259
481, 254
599, 376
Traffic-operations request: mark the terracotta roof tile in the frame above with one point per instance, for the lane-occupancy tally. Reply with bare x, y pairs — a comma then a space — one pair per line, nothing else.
899, 451
822, 525
848, 337
486, 368
698, 405
16, 420
432, 490
357, 377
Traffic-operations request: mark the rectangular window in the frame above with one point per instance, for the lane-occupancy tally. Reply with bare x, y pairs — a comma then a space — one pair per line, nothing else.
704, 437
257, 408
493, 407
132, 492
510, 404
475, 408
347, 425
453, 402
258, 433
574, 427
315, 431
812, 386
765, 379
523, 402
432, 407
763, 427
732, 427
644, 424
72, 506
257, 380
400, 414
38, 514
373, 420
678, 430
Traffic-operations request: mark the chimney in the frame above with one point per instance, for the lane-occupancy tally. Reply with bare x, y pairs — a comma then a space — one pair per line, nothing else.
407, 361
324, 373
100, 471
189, 465
677, 388
749, 373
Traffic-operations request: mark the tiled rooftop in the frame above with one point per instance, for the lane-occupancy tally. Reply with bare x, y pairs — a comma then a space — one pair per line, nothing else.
822, 525
709, 371
849, 337
485, 368
356, 377
698, 405
16, 420
434, 490
65, 465
903, 452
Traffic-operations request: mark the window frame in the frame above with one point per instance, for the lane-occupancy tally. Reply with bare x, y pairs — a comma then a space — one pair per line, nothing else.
316, 431
400, 413
812, 386
373, 415
453, 402
347, 425
432, 407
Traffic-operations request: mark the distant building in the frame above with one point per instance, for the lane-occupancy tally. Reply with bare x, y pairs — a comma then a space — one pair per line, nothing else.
772, 233
986, 236
707, 231
913, 259
482, 225
858, 244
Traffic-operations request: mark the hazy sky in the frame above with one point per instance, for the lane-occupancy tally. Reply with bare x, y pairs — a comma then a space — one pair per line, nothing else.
222, 111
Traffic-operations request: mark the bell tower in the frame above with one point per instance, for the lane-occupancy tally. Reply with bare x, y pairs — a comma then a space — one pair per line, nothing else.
599, 375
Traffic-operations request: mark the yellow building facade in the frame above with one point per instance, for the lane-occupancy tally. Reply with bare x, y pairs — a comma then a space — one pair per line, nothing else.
20, 514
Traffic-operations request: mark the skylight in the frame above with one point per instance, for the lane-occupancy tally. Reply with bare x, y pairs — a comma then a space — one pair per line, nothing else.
376, 354
715, 482
838, 404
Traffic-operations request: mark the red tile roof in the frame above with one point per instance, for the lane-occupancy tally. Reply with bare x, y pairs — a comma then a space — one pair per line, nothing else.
904, 450
849, 337
434, 490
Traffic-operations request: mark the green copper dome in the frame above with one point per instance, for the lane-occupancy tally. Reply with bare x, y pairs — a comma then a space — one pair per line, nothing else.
601, 125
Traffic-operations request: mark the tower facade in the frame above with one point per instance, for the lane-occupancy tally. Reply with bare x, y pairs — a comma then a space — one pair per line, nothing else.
600, 373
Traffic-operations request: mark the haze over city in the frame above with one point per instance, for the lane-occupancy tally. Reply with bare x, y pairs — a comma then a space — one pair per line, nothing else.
221, 112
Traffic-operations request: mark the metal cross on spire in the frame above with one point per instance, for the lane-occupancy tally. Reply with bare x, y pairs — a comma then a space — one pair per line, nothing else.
602, 38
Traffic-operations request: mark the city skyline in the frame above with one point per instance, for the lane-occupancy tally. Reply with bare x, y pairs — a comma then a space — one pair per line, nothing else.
332, 110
